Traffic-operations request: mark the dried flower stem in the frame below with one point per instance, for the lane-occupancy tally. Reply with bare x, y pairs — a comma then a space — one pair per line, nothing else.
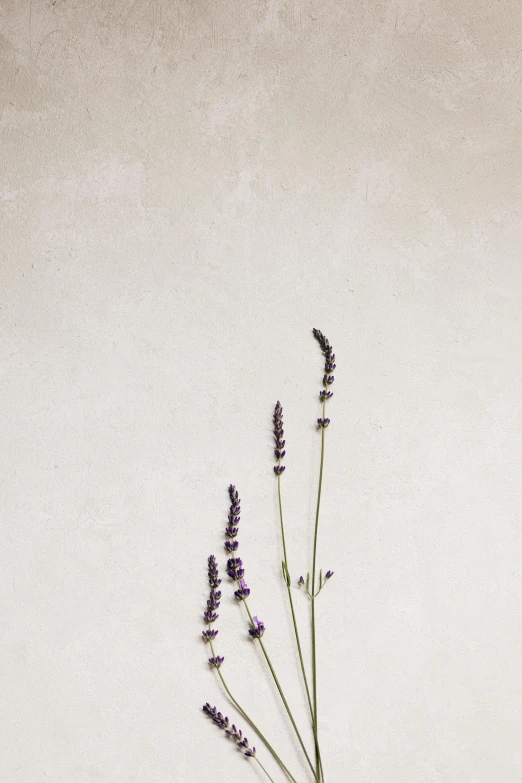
249, 720
282, 695
314, 651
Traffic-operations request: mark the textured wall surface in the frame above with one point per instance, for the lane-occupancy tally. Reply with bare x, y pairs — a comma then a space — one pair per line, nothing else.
187, 188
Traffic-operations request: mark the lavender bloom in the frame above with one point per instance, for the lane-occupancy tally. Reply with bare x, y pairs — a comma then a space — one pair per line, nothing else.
328, 574
243, 591
210, 615
216, 661
213, 574
234, 733
232, 528
329, 364
323, 422
325, 395
208, 635
235, 568
279, 450
301, 581
258, 630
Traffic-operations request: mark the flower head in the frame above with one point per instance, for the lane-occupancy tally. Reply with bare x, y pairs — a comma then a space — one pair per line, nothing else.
235, 568
329, 364
216, 661
230, 730
243, 591
279, 450
258, 629
328, 574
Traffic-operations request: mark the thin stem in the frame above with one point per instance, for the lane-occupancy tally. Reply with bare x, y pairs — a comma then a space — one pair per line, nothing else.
294, 620
283, 699
314, 652
251, 722
264, 770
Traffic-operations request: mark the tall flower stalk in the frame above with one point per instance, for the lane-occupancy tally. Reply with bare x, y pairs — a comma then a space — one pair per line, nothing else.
236, 572
323, 422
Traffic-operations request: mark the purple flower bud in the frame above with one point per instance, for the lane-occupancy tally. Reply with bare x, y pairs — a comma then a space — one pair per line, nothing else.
235, 568
328, 379
328, 574
325, 395
243, 591
257, 631
208, 635
301, 581
216, 661
231, 531
278, 469
323, 422
231, 546
210, 616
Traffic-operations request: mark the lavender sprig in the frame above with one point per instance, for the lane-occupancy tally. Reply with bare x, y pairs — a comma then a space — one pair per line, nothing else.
210, 615
236, 734
279, 450
236, 572
323, 422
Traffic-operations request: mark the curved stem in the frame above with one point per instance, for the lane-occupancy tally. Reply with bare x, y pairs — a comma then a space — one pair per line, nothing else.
314, 655
251, 722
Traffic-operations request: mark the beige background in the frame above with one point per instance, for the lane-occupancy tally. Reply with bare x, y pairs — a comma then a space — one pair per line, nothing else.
186, 189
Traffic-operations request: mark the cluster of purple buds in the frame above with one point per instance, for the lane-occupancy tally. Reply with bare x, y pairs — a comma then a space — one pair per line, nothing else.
232, 528
231, 730
216, 661
328, 574
323, 423
243, 591
257, 631
235, 568
329, 365
279, 450
210, 615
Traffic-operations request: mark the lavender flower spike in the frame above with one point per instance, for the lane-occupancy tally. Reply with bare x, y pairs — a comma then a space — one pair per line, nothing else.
329, 365
258, 630
279, 450
210, 615
234, 733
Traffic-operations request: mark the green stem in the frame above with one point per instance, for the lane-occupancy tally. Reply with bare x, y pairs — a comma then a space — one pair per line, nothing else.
282, 695
264, 770
314, 651
251, 722
294, 620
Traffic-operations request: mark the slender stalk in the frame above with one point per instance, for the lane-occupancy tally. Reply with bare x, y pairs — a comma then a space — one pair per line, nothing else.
282, 695
314, 651
252, 724
294, 621
264, 770
291, 601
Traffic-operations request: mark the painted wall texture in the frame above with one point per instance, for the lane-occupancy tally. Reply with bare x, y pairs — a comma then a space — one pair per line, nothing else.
187, 188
